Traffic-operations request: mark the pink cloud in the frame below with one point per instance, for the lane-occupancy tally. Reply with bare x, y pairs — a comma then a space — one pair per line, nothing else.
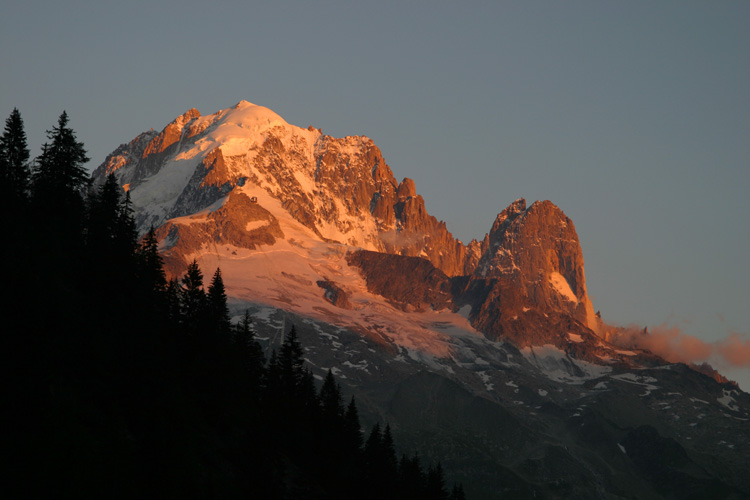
735, 349
672, 344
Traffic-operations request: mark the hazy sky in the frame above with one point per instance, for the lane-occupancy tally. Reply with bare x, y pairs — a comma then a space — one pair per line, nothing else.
632, 116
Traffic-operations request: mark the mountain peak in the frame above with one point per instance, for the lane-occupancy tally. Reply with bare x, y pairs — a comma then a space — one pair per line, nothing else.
538, 250
316, 230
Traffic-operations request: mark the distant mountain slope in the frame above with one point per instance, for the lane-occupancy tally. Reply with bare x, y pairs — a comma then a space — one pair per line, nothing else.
488, 354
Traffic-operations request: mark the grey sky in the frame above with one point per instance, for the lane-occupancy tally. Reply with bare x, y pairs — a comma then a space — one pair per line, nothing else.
632, 116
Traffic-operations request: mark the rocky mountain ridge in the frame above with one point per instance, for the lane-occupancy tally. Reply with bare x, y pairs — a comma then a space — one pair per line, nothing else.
494, 343
340, 189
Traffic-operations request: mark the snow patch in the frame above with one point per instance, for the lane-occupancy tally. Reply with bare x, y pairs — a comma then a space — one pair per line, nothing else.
560, 284
575, 337
632, 378
362, 365
256, 224
727, 400
556, 365
486, 379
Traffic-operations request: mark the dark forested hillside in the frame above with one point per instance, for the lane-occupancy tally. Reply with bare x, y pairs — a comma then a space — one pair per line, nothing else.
123, 384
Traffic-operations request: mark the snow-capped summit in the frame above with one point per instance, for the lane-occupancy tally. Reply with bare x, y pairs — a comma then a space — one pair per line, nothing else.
492, 346
232, 185
339, 188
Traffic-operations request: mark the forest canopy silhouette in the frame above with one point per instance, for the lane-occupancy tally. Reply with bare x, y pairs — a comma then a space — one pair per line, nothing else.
126, 384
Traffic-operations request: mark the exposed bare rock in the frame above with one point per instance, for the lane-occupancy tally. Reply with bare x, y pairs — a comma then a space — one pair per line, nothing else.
343, 190
335, 294
237, 222
209, 183
340, 188
410, 283
171, 133
489, 350
125, 154
538, 250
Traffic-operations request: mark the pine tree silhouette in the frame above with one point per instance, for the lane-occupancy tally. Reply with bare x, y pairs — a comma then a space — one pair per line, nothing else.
127, 385
15, 173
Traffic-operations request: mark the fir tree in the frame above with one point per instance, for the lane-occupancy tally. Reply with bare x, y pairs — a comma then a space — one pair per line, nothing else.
249, 352
60, 166
173, 301
373, 445
388, 450
193, 298
217, 306
458, 492
150, 263
291, 363
411, 478
15, 173
58, 185
330, 399
126, 233
435, 488
352, 428
104, 218
14, 187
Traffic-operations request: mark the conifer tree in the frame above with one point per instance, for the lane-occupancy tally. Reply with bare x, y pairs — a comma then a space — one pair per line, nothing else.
15, 172
173, 301
330, 399
249, 351
435, 488
352, 428
59, 182
150, 263
373, 445
60, 166
104, 218
291, 363
14, 193
411, 478
193, 298
388, 450
217, 306
458, 492
272, 383
126, 233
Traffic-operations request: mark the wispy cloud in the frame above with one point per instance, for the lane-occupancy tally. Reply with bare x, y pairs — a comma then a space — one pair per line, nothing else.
735, 349
671, 343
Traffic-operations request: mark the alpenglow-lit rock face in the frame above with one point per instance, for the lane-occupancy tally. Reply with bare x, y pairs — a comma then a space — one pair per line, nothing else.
223, 181
537, 249
487, 351
340, 188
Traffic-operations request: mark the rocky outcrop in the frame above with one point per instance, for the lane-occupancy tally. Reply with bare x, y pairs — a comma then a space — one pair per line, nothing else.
334, 294
125, 155
537, 250
525, 277
340, 188
410, 283
237, 222
171, 134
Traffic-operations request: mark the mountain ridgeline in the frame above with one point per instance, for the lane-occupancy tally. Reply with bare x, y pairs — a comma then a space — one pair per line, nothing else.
123, 383
200, 179
481, 364
485, 355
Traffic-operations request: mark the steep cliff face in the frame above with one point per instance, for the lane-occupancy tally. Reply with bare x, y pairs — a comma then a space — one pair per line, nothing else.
340, 188
538, 251
226, 183
488, 350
